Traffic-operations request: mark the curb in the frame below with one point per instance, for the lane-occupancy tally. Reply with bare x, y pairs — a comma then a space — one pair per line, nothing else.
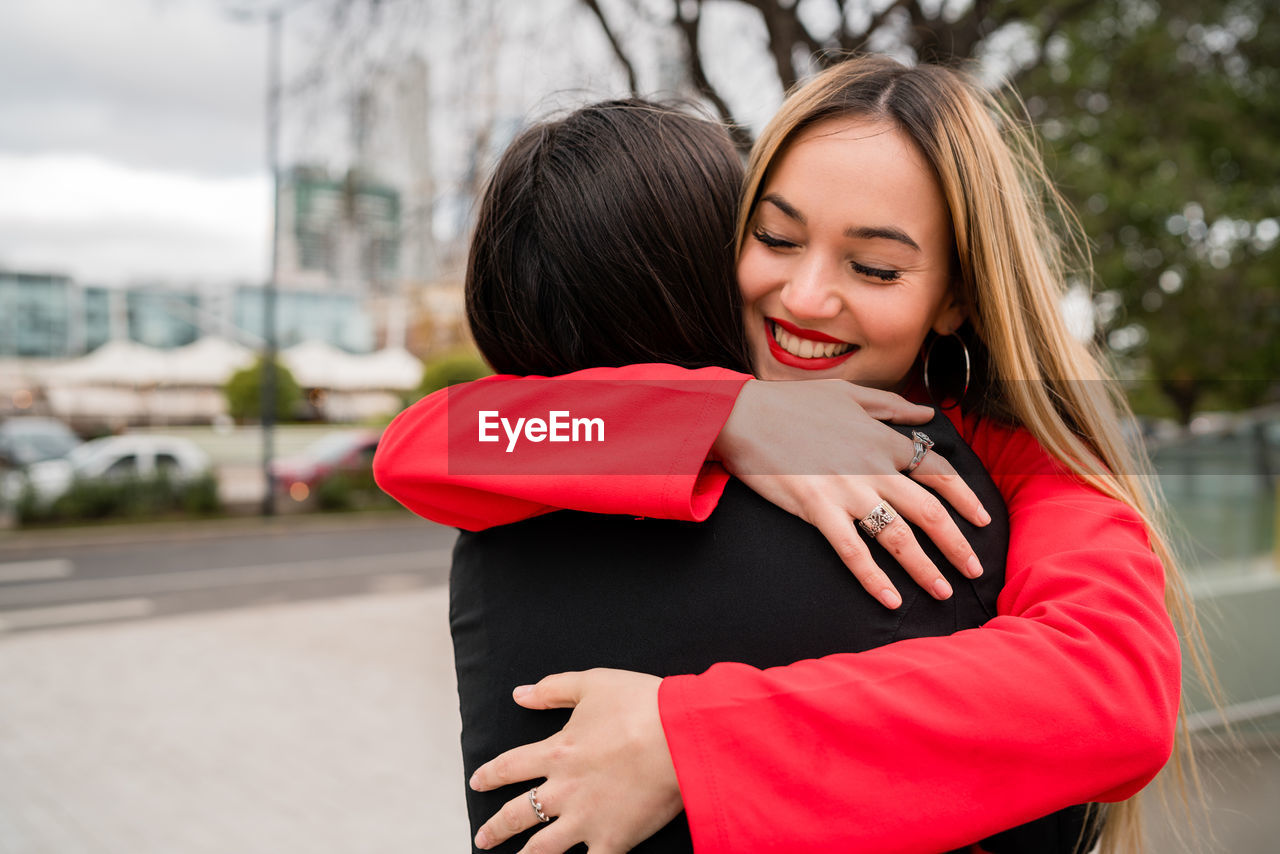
189, 529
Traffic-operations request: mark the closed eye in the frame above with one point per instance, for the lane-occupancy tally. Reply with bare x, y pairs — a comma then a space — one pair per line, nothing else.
769, 240
876, 272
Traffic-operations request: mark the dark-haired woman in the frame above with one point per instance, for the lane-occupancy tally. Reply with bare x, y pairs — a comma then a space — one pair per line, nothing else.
637, 201
920, 745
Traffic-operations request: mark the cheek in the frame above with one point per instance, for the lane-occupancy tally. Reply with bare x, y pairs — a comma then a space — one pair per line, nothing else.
895, 315
756, 276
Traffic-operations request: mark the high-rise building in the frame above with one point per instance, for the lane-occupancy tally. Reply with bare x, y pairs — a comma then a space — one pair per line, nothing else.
338, 234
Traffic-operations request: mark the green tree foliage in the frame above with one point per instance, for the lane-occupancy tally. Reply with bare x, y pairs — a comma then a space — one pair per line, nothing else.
459, 367
1162, 126
244, 393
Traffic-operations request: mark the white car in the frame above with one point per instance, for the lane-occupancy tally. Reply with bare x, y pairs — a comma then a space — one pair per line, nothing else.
112, 458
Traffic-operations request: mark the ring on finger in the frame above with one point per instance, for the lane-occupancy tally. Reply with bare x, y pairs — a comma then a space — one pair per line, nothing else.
537, 807
878, 519
922, 444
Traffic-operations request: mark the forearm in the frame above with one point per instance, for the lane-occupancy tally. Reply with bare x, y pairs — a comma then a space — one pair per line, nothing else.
648, 458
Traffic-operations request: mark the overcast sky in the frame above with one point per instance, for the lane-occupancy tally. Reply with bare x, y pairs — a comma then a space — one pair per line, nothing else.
132, 131
131, 140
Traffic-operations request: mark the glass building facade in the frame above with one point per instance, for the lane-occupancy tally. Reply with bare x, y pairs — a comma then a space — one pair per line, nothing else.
36, 316
49, 316
96, 303
335, 318
346, 228
163, 318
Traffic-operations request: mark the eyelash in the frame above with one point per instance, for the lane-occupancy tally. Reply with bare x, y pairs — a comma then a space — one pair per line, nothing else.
876, 272
769, 240
872, 272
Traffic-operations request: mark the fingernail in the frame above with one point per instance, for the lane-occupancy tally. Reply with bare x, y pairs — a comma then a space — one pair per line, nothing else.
522, 691
890, 598
984, 518
973, 569
472, 781
941, 588
482, 840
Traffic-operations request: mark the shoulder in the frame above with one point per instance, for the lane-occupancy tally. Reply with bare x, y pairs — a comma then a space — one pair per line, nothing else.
1030, 477
1006, 448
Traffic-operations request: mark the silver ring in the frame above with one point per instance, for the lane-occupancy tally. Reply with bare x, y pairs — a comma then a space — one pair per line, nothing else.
923, 443
879, 517
537, 807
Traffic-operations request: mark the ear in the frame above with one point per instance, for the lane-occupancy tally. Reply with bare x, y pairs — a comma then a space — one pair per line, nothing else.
952, 314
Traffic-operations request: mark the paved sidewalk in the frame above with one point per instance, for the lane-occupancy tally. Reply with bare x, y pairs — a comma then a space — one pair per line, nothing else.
320, 727
325, 727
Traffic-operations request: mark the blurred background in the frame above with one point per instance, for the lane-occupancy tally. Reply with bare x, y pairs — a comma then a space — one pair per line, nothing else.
232, 235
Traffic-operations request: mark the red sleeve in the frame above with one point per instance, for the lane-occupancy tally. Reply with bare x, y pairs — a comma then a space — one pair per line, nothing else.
1069, 695
657, 425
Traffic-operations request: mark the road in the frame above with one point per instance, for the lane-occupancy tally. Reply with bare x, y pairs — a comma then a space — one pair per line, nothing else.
327, 726
50, 579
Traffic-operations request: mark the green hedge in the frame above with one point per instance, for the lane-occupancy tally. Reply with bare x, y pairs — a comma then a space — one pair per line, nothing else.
351, 492
133, 498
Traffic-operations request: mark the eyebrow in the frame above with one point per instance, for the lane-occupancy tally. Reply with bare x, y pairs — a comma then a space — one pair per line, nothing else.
882, 232
866, 232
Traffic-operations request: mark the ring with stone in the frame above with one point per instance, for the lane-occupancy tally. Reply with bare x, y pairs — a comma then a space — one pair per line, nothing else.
922, 444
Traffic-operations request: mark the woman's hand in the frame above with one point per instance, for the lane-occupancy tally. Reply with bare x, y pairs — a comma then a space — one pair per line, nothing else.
815, 449
609, 778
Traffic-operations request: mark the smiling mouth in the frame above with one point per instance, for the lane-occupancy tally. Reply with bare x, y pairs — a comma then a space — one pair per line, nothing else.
803, 347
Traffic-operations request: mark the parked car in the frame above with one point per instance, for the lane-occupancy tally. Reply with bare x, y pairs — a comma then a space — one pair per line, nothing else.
111, 458
30, 439
346, 452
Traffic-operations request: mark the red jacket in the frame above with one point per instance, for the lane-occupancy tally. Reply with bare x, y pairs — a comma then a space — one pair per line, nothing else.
1069, 695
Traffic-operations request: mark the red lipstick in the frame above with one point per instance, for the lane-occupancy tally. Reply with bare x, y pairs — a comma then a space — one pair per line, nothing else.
811, 334
793, 361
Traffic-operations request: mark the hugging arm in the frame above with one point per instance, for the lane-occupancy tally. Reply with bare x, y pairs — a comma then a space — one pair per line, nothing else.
813, 448
1069, 695
430, 460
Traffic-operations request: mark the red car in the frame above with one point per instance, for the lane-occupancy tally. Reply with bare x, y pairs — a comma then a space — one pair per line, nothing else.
348, 452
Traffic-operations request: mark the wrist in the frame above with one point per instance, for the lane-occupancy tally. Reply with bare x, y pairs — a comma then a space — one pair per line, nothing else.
728, 440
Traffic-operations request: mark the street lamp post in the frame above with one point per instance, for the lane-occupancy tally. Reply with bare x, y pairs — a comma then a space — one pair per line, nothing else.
275, 19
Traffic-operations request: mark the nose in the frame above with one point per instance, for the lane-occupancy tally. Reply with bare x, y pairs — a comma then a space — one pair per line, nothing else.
811, 291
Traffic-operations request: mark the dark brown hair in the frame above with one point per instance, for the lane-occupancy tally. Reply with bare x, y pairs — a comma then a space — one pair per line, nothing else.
606, 238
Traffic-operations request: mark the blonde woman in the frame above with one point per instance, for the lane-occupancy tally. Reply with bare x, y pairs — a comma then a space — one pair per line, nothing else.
889, 212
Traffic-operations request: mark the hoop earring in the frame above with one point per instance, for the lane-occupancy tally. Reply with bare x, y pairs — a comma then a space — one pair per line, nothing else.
928, 351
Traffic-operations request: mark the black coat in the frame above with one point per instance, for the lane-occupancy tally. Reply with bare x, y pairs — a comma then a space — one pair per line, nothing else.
752, 584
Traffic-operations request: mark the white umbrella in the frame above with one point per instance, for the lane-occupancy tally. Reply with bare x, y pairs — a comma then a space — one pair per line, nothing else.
114, 363
392, 368
209, 361
315, 364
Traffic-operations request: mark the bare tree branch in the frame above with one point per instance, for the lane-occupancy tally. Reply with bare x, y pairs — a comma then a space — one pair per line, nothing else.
688, 27
957, 40
786, 32
843, 38
858, 41
621, 54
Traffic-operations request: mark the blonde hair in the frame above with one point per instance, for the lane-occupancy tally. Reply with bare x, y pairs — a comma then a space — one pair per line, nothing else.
1013, 236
